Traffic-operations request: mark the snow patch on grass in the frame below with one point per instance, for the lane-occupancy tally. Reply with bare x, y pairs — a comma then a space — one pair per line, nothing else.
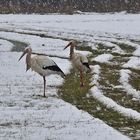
109, 103
124, 79
103, 58
134, 62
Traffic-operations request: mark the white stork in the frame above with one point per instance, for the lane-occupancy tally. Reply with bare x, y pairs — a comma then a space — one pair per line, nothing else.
79, 61
41, 64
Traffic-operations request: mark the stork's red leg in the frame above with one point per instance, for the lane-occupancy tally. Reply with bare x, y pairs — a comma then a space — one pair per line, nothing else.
44, 84
81, 79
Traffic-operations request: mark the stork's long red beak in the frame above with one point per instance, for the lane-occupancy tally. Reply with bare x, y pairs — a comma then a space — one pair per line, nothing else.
22, 56
67, 46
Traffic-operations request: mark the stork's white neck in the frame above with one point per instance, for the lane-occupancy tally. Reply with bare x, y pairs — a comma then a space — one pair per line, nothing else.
71, 51
28, 60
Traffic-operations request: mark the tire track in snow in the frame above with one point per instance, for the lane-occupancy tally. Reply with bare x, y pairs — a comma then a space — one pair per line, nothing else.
124, 79
126, 105
99, 95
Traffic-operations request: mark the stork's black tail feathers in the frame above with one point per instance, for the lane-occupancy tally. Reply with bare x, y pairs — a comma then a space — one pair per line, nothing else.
86, 64
56, 69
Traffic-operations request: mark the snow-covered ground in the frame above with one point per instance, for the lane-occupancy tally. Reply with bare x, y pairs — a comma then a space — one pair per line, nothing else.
104, 58
113, 23
26, 115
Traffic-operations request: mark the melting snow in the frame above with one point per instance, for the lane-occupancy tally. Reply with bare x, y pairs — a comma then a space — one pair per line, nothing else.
97, 93
103, 58
134, 62
124, 79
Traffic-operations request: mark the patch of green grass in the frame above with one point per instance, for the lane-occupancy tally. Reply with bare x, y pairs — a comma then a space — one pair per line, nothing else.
18, 46
84, 46
72, 87
125, 47
108, 79
135, 80
71, 92
104, 48
120, 60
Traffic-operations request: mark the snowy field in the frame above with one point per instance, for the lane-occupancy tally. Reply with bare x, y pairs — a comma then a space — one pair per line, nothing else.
25, 114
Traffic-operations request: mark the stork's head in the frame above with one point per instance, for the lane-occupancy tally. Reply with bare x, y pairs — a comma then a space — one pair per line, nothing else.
27, 51
72, 43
